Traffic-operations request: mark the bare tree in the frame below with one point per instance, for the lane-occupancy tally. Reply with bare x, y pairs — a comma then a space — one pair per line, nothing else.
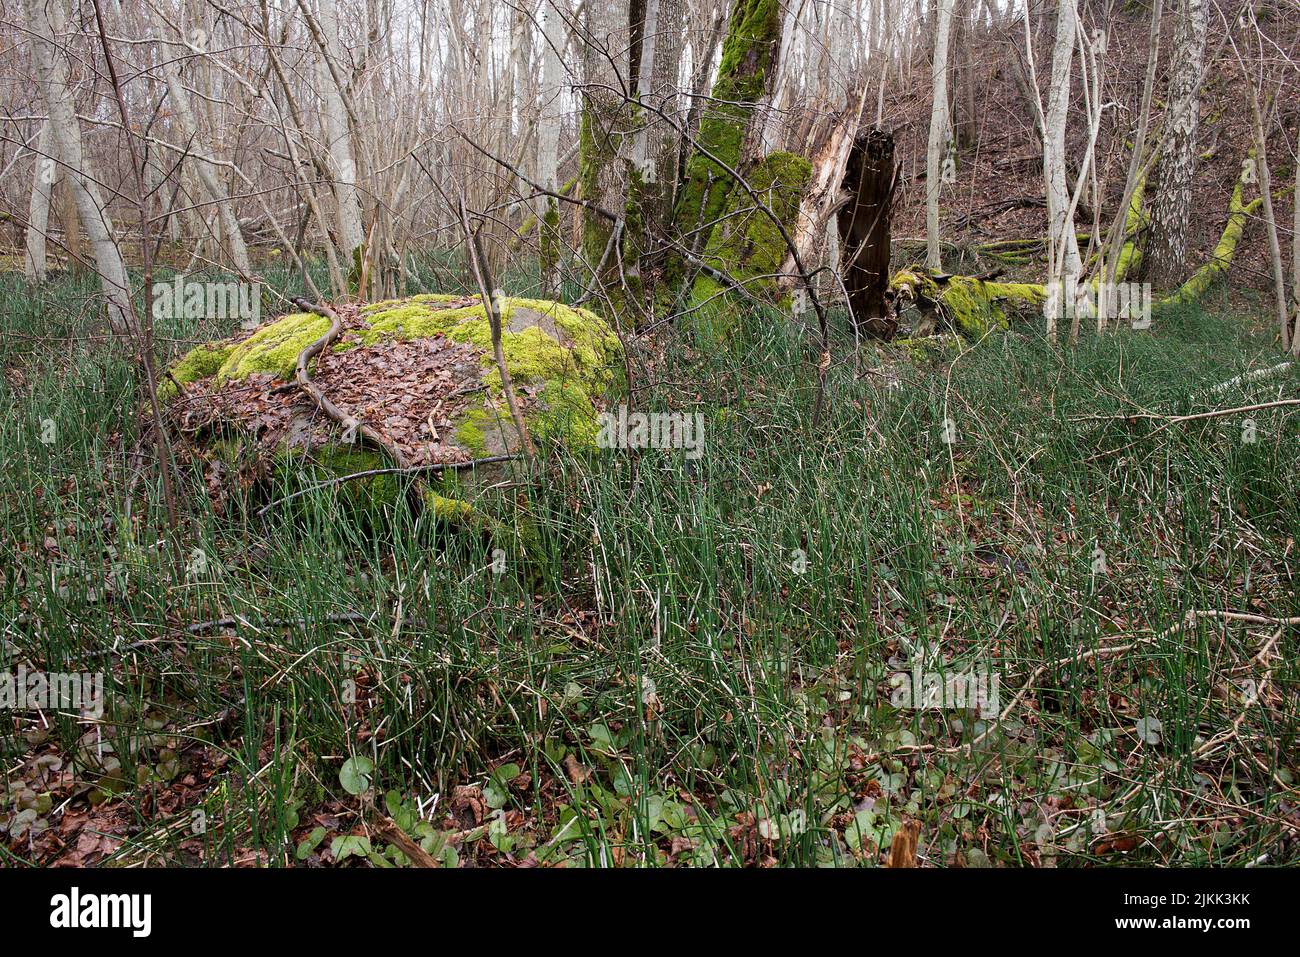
938, 149
47, 21
1171, 208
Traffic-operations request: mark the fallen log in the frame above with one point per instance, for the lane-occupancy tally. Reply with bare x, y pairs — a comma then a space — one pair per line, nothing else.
1221, 259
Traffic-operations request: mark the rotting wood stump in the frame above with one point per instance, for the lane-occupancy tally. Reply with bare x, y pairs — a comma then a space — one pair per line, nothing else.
869, 178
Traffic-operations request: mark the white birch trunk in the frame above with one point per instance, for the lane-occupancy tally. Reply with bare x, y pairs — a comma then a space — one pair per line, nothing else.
339, 146
550, 119
1064, 263
938, 136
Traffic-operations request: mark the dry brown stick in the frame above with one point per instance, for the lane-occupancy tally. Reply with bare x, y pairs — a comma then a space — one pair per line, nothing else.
483, 275
387, 829
351, 425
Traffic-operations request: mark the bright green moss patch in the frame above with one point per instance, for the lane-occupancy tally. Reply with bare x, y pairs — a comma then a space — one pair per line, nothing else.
195, 365
274, 348
748, 57
748, 245
295, 467
972, 306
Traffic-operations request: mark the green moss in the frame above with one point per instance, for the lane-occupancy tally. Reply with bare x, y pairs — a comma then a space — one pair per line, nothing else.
450, 509
274, 348
295, 468
972, 306
748, 56
747, 244
197, 364
471, 433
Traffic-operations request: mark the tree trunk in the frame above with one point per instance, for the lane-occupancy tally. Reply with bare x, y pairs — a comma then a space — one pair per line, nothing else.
1171, 208
343, 168
603, 153
1295, 263
1134, 179
864, 230
749, 60
938, 144
38, 211
196, 140
654, 142
550, 119
47, 20
1064, 263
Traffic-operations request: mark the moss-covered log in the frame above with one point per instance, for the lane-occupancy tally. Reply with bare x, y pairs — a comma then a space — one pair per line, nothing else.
1239, 211
967, 304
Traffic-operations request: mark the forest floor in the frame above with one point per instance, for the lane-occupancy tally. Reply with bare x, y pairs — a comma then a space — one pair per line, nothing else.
699, 662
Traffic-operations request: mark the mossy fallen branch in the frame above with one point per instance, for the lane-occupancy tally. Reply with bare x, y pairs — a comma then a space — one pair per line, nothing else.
968, 304
1200, 282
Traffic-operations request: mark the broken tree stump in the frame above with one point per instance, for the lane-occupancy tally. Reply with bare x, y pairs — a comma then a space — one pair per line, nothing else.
869, 178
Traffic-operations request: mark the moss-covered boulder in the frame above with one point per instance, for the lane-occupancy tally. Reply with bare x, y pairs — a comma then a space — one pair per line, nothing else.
419, 371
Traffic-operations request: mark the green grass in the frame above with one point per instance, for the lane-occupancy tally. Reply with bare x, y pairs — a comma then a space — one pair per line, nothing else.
688, 664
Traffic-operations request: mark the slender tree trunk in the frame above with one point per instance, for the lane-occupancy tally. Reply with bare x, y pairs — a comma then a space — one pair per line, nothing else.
1064, 262
38, 211
343, 168
195, 138
939, 135
1171, 208
1270, 220
1119, 228
1295, 263
47, 21
550, 119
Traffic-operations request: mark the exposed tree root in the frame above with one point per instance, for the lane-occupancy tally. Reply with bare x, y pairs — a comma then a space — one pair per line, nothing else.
351, 425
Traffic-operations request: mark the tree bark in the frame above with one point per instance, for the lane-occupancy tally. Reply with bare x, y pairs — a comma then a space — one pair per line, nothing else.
1064, 262
1295, 263
46, 20
939, 135
749, 60
343, 167
1171, 208
38, 210
550, 119
864, 230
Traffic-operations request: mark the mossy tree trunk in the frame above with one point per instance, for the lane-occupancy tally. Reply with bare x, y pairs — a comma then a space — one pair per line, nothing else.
749, 60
